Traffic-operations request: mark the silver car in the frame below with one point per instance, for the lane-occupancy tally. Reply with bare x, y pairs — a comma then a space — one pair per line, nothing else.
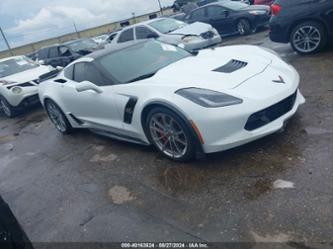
191, 37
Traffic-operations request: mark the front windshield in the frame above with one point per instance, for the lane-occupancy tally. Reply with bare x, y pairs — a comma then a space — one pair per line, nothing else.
82, 45
16, 65
140, 60
234, 5
167, 25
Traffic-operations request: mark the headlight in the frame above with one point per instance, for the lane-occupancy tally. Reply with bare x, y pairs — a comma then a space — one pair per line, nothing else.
189, 38
257, 12
208, 98
16, 90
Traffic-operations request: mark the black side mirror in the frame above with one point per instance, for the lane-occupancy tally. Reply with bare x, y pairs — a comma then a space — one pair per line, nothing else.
152, 36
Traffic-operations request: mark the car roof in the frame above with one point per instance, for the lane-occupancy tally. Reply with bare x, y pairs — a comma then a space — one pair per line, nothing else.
145, 22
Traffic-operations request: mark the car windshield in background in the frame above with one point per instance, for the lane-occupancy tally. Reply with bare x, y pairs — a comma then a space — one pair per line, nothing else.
141, 61
234, 5
82, 45
167, 25
16, 65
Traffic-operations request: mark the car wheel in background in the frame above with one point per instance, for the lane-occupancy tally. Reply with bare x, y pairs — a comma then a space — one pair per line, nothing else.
57, 117
308, 37
7, 109
243, 27
170, 134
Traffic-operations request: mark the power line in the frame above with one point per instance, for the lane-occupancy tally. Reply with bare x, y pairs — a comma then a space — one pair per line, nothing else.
4, 37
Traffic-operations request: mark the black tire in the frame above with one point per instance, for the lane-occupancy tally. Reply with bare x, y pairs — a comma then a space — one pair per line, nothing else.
318, 37
189, 152
63, 126
7, 109
243, 27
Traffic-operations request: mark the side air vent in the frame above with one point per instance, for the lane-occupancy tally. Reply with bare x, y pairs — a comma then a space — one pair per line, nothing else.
231, 66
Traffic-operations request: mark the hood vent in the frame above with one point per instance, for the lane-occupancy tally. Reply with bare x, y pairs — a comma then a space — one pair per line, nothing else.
231, 66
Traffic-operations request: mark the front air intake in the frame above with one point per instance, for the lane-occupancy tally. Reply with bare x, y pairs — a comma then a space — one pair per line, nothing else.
231, 66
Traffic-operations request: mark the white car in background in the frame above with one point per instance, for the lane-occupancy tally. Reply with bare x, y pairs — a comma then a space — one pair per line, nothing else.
191, 37
184, 104
19, 79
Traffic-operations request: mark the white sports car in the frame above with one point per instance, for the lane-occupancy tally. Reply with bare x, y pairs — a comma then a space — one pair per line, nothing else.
184, 104
19, 83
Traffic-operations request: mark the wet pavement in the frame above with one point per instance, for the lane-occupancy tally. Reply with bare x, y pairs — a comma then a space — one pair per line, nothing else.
87, 188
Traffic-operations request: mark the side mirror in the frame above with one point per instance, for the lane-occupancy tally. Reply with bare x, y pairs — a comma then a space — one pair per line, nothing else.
86, 86
59, 68
41, 62
153, 36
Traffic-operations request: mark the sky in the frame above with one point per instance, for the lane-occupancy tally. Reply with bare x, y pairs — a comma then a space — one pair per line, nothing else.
27, 21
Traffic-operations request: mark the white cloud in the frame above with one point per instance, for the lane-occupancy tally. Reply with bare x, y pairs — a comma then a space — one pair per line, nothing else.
45, 19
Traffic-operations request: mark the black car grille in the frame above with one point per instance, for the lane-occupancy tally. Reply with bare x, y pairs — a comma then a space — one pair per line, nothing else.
271, 113
207, 35
231, 66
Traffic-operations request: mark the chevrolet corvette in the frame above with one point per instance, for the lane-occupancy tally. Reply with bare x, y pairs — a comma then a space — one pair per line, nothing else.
185, 104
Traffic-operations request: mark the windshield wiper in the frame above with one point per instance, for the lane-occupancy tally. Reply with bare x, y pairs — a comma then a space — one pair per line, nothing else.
142, 77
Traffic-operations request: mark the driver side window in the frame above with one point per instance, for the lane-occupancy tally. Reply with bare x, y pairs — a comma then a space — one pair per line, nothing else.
144, 33
87, 71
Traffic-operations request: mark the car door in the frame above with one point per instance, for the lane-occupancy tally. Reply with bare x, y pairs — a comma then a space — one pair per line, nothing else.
220, 18
143, 32
198, 15
97, 110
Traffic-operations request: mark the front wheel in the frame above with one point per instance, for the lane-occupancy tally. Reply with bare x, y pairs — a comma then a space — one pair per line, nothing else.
170, 134
57, 117
7, 109
308, 37
243, 27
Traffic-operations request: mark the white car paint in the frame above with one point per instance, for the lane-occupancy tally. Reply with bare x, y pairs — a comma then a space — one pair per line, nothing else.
221, 128
28, 76
176, 37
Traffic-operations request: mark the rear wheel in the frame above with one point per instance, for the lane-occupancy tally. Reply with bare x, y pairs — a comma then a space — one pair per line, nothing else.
170, 134
308, 37
243, 27
57, 117
7, 108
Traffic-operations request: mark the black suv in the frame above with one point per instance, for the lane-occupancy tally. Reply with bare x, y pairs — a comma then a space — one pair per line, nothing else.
56, 55
306, 24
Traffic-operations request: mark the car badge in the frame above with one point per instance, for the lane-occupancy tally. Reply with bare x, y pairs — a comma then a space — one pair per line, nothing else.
280, 80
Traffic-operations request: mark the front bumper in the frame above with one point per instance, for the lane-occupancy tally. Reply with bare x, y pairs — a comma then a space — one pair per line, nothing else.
28, 96
201, 43
233, 132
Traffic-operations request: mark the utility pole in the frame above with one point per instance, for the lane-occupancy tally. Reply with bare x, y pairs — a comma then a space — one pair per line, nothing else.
77, 32
161, 9
4, 37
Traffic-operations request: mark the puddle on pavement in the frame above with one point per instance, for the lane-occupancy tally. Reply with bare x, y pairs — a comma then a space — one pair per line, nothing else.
253, 167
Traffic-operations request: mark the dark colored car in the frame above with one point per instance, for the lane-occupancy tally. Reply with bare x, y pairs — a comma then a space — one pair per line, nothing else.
56, 55
264, 2
205, 2
12, 235
83, 46
230, 17
307, 25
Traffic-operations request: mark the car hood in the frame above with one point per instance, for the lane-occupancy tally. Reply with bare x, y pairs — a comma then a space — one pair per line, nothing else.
202, 70
196, 28
27, 75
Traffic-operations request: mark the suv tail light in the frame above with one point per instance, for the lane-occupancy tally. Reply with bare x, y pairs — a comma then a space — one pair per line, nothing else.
276, 9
